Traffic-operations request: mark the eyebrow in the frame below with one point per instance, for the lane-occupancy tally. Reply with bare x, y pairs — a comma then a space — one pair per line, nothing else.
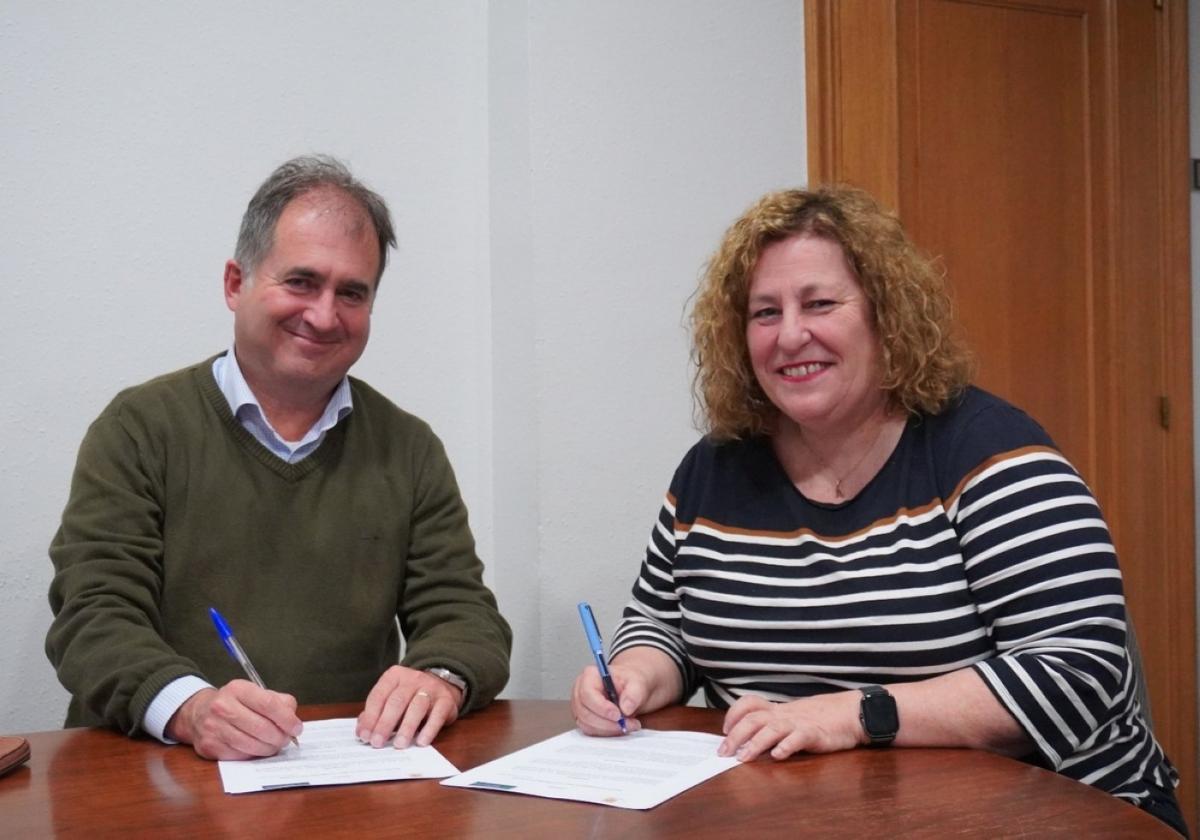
302, 271
312, 274
810, 287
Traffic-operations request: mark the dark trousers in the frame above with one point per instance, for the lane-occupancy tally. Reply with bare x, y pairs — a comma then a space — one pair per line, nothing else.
1163, 805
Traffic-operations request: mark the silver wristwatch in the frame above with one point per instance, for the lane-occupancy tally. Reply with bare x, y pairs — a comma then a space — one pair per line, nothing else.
454, 680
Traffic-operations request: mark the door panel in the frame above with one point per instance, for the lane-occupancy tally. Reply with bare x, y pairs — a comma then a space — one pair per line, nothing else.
996, 183
1039, 150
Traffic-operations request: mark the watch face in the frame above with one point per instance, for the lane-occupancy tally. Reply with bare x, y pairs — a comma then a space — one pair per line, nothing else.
879, 715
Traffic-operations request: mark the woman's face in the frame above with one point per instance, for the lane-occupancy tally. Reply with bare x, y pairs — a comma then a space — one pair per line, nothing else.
811, 335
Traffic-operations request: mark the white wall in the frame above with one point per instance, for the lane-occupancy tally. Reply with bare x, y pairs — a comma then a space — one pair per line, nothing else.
652, 125
559, 171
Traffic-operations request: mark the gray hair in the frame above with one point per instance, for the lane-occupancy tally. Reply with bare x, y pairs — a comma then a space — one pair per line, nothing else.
290, 181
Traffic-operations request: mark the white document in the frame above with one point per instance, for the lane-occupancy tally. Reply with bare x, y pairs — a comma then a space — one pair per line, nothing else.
639, 770
331, 754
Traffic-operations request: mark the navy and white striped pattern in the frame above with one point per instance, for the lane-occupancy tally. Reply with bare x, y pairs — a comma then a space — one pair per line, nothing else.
977, 545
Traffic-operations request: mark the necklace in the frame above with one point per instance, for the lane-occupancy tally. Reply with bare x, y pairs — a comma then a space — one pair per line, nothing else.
837, 482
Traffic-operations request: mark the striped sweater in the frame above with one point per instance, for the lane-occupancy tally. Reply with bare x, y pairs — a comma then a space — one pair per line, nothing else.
976, 545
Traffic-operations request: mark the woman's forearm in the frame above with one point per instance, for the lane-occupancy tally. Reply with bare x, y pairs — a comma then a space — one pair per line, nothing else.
956, 710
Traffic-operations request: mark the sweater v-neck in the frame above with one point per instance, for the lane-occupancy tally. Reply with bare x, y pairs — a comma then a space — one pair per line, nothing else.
287, 471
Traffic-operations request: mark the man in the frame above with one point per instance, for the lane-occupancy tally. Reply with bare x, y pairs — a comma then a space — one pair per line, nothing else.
297, 501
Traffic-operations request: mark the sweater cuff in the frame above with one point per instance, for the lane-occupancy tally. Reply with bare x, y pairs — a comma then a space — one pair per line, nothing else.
167, 702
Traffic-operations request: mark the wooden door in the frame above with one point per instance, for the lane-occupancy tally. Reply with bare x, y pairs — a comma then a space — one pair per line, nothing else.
1039, 149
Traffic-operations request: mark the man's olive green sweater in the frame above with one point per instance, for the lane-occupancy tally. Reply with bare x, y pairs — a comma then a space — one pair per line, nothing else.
175, 508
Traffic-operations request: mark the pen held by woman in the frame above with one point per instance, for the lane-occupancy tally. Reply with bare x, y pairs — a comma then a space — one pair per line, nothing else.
596, 644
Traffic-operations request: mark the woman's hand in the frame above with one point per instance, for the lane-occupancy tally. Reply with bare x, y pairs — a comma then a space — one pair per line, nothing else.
645, 678
951, 710
821, 724
594, 713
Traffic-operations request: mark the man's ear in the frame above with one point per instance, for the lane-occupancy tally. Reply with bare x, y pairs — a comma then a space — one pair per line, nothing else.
235, 282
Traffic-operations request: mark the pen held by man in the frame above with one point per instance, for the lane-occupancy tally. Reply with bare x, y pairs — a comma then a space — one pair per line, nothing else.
234, 647
241, 719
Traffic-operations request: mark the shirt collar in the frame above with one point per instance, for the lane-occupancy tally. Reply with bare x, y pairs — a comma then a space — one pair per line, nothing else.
247, 409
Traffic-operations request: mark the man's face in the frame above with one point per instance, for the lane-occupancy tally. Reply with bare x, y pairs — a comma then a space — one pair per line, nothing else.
303, 319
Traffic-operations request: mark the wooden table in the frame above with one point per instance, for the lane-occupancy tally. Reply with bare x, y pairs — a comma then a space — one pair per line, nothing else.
91, 783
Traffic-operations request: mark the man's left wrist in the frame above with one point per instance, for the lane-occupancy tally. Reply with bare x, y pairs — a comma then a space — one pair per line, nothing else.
451, 678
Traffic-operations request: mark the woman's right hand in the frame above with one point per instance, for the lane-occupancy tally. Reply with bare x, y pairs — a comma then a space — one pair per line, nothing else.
594, 713
646, 679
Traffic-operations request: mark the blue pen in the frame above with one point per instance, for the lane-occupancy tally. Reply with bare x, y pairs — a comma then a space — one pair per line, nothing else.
597, 646
235, 650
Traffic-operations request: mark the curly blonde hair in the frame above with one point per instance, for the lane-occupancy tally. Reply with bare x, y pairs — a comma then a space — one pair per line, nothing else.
925, 363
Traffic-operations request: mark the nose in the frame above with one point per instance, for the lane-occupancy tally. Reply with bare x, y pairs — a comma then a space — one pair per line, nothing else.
321, 314
793, 331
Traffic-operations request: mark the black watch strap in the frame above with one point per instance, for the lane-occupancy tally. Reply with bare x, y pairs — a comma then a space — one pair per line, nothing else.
878, 715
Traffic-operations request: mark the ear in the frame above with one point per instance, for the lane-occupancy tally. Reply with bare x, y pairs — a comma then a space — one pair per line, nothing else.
235, 282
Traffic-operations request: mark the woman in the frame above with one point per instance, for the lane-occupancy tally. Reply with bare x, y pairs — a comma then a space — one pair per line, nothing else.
865, 549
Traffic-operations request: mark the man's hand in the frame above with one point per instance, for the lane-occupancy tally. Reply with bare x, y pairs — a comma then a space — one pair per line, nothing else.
401, 701
239, 720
